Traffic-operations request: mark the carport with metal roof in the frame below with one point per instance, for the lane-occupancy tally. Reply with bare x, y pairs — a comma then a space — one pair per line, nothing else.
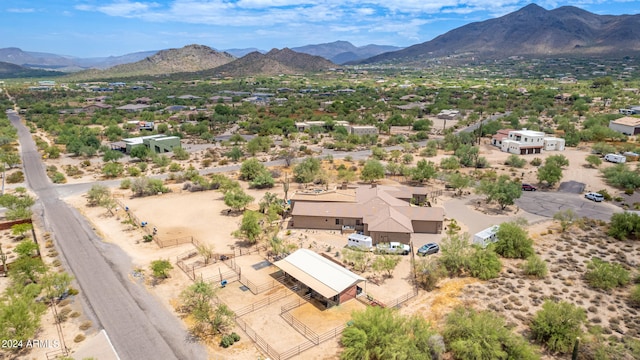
325, 280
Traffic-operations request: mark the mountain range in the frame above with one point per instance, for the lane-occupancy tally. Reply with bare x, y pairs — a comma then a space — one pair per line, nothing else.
530, 31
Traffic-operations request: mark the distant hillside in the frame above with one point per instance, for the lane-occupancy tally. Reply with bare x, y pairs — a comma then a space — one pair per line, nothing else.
533, 31
110, 61
242, 52
285, 61
66, 63
10, 71
341, 52
191, 58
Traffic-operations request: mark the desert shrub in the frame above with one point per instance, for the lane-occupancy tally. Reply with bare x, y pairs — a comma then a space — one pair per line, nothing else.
536, 162
125, 184
72, 170
57, 178
535, 266
634, 297
175, 167
428, 272
557, 325
15, 177
624, 225
621, 176
79, 338
85, 325
515, 161
134, 171
484, 264
604, 275
475, 335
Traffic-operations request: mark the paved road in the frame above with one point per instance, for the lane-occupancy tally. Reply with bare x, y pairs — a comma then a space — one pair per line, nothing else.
548, 203
138, 325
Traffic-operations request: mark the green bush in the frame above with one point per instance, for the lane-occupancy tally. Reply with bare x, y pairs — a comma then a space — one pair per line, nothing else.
605, 194
472, 335
535, 266
624, 225
513, 241
604, 275
557, 325
536, 162
515, 161
125, 184
634, 297
235, 337
484, 264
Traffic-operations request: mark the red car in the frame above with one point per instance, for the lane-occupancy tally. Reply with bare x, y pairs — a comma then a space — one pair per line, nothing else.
528, 187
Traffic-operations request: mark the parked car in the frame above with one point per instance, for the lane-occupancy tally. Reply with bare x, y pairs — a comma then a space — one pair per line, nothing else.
528, 187
597, 197
427, 249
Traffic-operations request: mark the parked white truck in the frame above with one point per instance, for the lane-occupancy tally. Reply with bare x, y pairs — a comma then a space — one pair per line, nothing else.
393, 248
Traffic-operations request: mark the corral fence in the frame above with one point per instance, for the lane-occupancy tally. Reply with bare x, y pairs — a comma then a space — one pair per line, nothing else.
262, 344
301, 328
397, 302
295, 303
262, 303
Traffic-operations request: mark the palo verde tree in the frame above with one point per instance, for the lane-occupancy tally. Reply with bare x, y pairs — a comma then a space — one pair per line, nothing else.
513, 241
503, 190
372, 171
382, 333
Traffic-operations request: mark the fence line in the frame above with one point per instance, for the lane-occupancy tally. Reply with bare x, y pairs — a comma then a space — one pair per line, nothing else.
294, 304
402, 299
301, 328
230, 276
258, 339
296, 350
332, 333
262, 303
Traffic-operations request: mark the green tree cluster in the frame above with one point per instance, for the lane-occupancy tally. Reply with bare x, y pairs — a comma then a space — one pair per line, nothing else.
503, 190
381, 333
473, 335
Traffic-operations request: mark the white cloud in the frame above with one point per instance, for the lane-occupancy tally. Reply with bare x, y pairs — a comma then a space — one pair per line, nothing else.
21, 10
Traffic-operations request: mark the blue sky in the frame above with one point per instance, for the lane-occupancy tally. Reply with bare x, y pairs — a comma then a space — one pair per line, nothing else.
91, 28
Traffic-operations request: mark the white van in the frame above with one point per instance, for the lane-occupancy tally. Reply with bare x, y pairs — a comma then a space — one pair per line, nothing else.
615, 158
360, 241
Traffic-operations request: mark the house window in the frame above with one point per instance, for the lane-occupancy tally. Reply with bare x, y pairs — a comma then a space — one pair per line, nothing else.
358, 222
338, 221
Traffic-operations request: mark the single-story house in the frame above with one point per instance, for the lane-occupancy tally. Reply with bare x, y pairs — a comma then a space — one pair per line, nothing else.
382, 212
133, 107
320, 277
627, 125
156, 143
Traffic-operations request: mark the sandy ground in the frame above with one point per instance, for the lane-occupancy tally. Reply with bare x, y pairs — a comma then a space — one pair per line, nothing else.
203, 216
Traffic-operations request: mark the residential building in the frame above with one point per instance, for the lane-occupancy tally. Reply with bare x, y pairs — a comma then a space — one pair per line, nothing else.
156, 143
626, 125
362, 130
448, 114
383, 212
133, 107
523, 142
